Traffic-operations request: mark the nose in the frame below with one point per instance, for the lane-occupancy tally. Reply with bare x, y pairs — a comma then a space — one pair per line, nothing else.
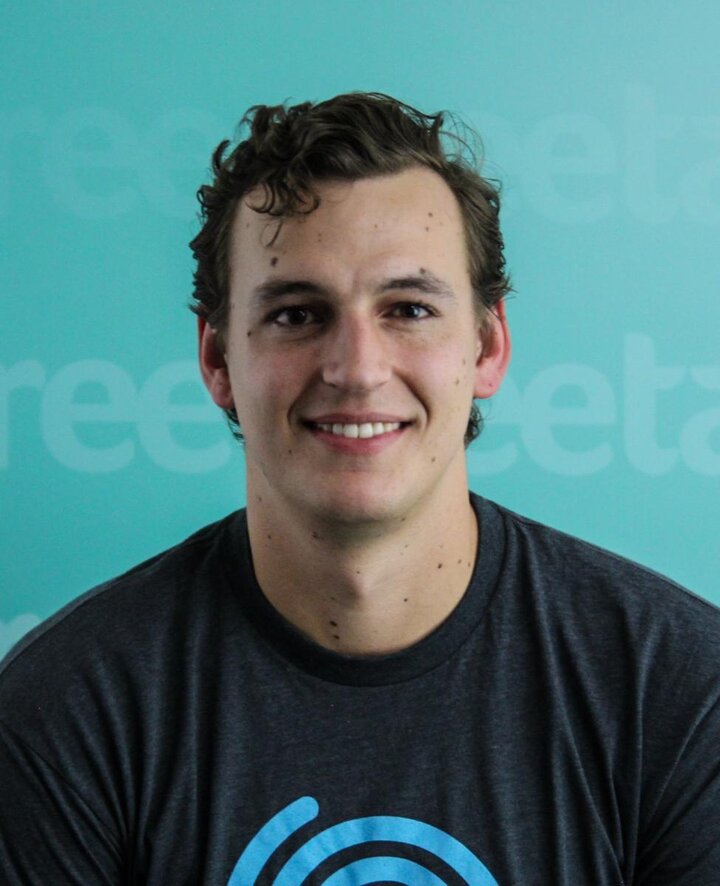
355, 358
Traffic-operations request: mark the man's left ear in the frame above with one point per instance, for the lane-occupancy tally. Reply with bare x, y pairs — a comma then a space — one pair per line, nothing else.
493, 352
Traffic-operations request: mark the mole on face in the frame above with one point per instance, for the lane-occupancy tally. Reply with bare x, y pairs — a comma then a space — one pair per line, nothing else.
430, 214
274, 260
423, 271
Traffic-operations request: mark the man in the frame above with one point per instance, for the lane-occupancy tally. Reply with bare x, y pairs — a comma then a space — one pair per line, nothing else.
369, 675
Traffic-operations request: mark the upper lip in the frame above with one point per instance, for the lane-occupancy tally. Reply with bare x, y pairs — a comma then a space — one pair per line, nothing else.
344, 418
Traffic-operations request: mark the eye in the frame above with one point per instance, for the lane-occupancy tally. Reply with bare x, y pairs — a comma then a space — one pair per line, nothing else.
294, 315
412, 311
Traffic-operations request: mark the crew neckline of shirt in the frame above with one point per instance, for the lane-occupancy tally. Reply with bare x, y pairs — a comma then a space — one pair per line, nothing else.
397, 667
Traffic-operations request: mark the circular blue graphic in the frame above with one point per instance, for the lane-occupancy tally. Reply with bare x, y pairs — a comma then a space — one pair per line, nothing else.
356, 831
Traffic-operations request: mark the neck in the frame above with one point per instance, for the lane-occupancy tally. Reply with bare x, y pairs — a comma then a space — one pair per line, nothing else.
364, 590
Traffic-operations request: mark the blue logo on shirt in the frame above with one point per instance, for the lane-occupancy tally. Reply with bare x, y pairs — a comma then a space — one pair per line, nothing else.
365, 871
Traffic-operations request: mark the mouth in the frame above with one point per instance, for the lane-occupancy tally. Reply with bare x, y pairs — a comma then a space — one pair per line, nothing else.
356, 436
358, 430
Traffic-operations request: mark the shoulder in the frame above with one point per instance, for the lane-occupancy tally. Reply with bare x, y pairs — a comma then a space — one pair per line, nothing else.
561, 556
608, 633
594, 594
142, 603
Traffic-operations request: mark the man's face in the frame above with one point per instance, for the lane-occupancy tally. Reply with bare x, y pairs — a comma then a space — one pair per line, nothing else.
353, 349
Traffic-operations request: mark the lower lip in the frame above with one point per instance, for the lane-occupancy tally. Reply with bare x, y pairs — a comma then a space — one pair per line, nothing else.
357, 445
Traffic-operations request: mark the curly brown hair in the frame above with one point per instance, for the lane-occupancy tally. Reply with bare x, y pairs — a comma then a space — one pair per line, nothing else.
348, 137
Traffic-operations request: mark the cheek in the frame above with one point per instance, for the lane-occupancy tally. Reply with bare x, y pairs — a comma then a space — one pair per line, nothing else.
263, 385
451, 373
444, 381
450, 365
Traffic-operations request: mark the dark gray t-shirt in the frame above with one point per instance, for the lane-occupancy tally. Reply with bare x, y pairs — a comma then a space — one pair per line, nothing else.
560, 728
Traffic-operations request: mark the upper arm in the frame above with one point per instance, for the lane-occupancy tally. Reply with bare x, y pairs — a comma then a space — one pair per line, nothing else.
48, 833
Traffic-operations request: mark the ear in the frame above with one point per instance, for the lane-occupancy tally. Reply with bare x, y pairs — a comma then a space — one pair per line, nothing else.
213, 366
493, 352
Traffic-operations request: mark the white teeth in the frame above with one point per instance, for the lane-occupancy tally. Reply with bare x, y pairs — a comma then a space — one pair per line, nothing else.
363, 431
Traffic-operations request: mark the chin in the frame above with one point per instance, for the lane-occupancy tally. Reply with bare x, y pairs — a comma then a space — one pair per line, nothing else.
357, 509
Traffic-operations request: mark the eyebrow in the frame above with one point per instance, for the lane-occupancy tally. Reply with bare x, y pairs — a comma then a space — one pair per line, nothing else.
276, 288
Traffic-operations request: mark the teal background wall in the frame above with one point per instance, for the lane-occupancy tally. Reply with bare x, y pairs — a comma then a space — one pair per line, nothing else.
601, 119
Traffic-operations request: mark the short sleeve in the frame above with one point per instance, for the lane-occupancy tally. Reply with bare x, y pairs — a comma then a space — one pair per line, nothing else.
680, 845
48, 834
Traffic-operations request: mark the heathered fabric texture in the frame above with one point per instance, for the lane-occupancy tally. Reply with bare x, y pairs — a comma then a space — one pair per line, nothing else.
560, 728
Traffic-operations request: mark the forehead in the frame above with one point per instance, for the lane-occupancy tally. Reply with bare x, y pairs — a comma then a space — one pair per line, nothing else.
370, 226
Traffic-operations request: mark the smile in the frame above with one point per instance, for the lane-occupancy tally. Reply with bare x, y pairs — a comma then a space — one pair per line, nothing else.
363, 431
